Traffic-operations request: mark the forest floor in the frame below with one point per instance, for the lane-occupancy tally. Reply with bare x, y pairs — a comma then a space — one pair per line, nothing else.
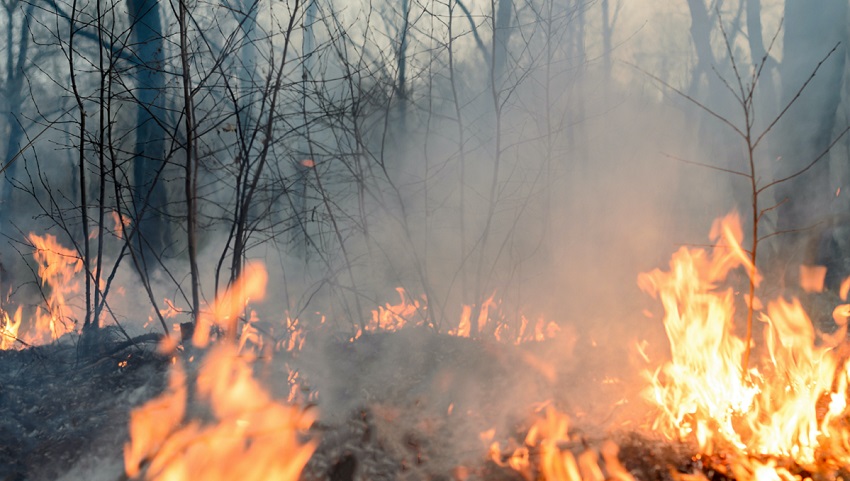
397, 406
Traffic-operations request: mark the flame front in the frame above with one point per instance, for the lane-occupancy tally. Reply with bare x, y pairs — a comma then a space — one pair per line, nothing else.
786, 407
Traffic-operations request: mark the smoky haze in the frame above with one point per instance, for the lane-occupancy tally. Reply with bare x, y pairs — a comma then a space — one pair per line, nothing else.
542, 153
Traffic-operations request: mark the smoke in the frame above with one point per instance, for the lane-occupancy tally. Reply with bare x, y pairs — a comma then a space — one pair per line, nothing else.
549, 185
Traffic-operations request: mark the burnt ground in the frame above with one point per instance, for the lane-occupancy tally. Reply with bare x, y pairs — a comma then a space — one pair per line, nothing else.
398, 406
57, 408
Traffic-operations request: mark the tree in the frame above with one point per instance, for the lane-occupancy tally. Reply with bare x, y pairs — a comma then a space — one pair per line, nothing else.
149, 197
809, 130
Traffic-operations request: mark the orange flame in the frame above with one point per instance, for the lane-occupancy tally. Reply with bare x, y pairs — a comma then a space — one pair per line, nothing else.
224, 311
250, 436
812, 277
9, 329
547, 438
393, 317
702, 393
57, 267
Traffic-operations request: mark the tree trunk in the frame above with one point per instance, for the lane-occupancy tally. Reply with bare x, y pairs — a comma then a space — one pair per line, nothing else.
701, 36
501, 36
14, 101
809, 126
149, 196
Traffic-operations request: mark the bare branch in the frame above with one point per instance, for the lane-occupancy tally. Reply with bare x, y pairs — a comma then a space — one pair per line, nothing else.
796, 96
811, 164
707, 166
690, 99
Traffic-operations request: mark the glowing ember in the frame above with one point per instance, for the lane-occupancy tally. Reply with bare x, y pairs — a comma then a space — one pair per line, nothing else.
792, 405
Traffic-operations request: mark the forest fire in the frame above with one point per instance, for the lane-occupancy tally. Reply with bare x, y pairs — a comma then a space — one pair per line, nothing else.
58, 267
791, 406
780, 419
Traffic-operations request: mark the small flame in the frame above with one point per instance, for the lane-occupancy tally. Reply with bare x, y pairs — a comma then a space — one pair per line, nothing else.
9, 329
120, 223
224, 311
547, 438
57, 267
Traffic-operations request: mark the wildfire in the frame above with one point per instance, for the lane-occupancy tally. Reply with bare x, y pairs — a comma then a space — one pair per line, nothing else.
548, 453
9, 329
488, 321
250, 436
58, 268
791, 405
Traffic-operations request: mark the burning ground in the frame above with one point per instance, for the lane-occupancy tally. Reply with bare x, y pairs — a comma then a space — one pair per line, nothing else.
489, 398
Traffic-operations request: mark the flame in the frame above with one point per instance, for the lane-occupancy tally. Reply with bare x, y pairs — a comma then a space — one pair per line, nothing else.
119, 223
9, 329
489, 320
788, 406
251, 436
57, 268
546, 440
392, 317
812, 277
224, 311
247, 435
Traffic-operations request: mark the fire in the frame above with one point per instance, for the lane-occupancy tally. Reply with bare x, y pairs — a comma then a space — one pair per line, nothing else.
9, 329
545, 453
411, 312
57, 267
248, 435
225, 310
790, 405
392, 317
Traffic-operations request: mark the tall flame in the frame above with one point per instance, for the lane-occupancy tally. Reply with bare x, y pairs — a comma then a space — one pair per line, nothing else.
58, 267
784, 407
